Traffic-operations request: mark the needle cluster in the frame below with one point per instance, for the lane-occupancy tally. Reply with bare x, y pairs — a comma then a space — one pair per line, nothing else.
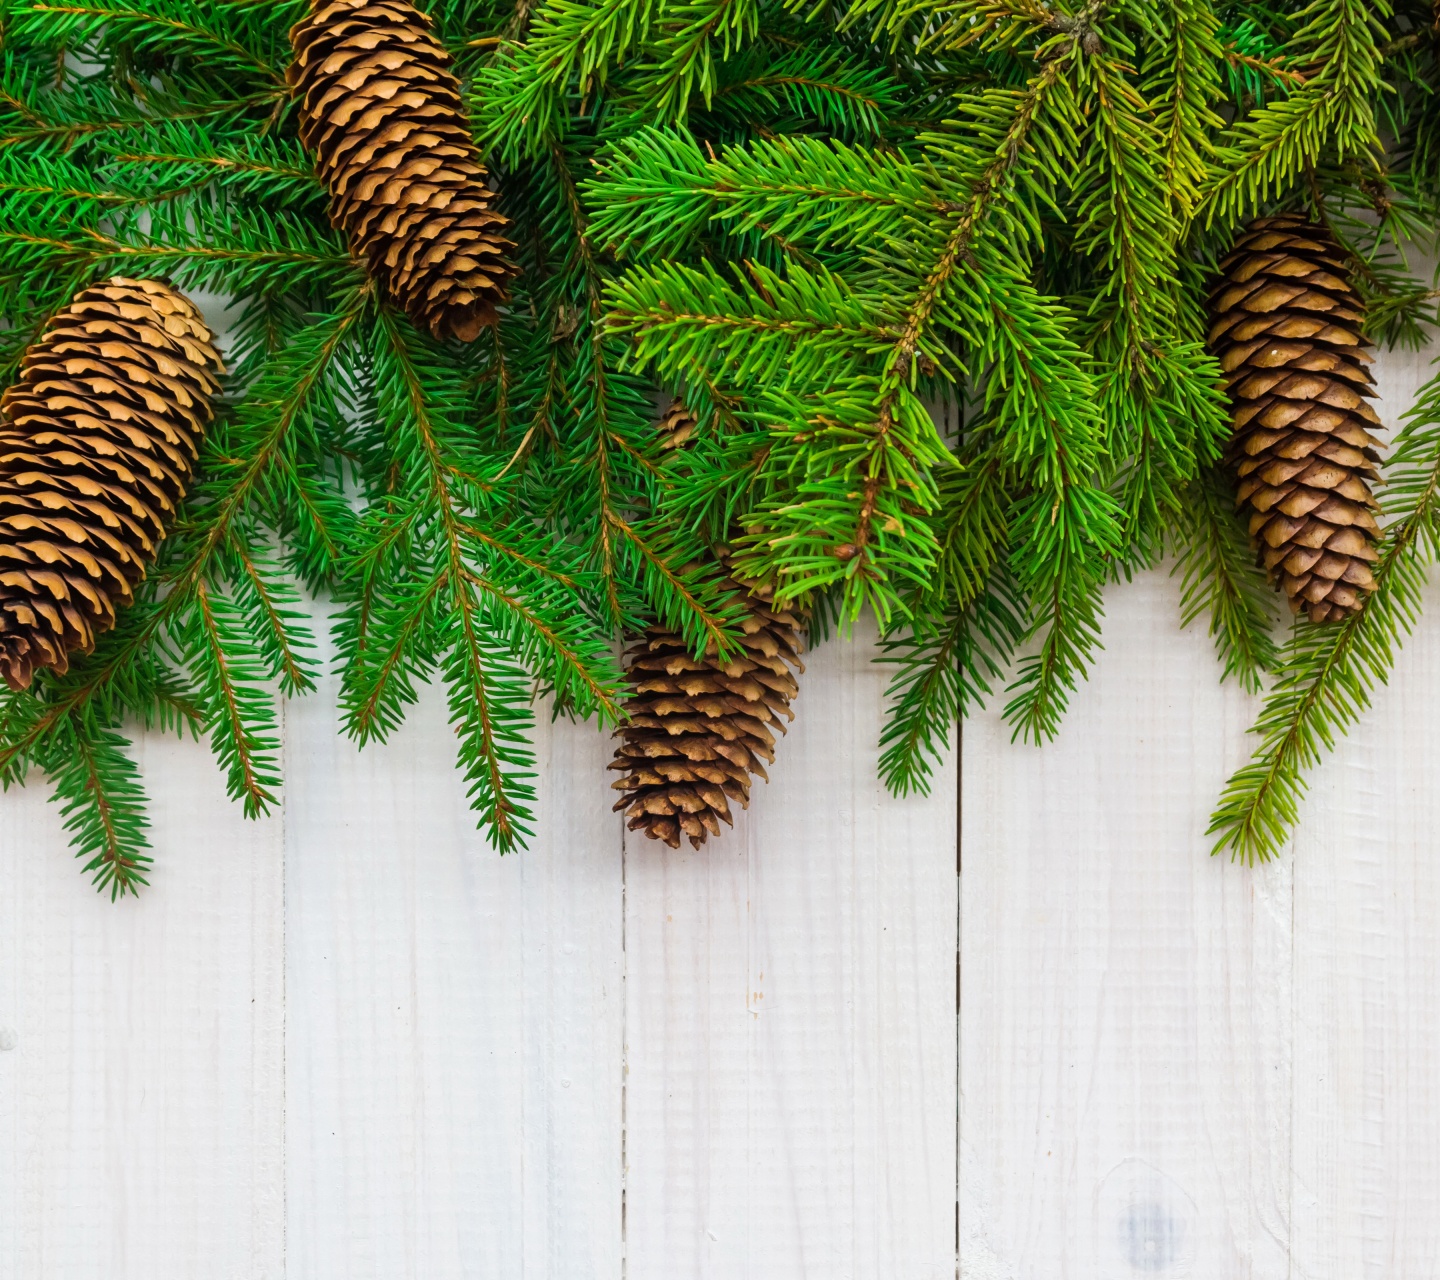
930, 280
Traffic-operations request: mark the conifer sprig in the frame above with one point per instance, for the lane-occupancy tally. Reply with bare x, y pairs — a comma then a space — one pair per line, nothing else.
1219, 577
1332, 114
101, 800
929, 274
1326, 676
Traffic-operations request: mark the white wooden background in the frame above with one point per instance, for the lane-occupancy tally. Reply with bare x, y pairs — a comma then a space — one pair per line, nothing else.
351, 1042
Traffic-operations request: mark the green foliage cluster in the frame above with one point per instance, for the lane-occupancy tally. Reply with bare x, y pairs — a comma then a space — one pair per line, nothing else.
930, 275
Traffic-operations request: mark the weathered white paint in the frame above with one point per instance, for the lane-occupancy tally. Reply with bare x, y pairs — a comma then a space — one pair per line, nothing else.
1125, 999
453, 1018
142, 1110
350, 1041
1171, 1065
790, 1039
1367, 973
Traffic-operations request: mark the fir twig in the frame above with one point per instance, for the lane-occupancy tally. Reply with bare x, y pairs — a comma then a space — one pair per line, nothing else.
1327, 674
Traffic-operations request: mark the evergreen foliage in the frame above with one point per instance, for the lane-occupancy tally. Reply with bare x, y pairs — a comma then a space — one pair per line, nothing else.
813, 223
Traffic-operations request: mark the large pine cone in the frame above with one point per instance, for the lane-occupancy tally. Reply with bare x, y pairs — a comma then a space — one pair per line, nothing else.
1286, 329
700, 727
381, 110
98, 441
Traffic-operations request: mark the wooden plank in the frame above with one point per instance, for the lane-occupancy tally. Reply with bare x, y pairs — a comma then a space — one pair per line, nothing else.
575, 1008
1125, 1069
142, 1109
454, 1016
1367, 970
790, 1019
1168, 1065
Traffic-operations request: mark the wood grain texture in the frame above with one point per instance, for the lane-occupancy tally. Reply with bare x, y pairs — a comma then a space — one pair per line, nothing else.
351, 1041
142, 1119
1179, 1067
1125, 1061
1367, 972
454, 1017
790, 1019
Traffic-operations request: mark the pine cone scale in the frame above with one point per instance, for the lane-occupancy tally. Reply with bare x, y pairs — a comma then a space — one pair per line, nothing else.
1286, 331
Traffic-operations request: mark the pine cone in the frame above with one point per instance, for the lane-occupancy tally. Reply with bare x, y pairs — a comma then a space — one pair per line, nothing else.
699, 727
381, 110
98, 441
676, 426
1286, 331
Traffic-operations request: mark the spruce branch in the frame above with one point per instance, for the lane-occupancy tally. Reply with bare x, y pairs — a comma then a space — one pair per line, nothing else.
1183, 87
98, 789
182, 26
1164, 414
605, 437
684, 58
238, 708
656, 191
483, 604
964, 632
1326, 675
1219, 577
943, 673
900, 445
846, 98
40, 130
994, 183
1267, 151
582, 38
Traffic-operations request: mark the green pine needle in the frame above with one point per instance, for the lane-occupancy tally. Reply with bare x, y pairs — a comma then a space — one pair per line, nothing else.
930, 276
1326, 675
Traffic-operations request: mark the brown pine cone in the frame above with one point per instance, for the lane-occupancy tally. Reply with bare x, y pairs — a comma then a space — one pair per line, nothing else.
98, 441
700, 727
1286, 330
676, 426
381, 110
